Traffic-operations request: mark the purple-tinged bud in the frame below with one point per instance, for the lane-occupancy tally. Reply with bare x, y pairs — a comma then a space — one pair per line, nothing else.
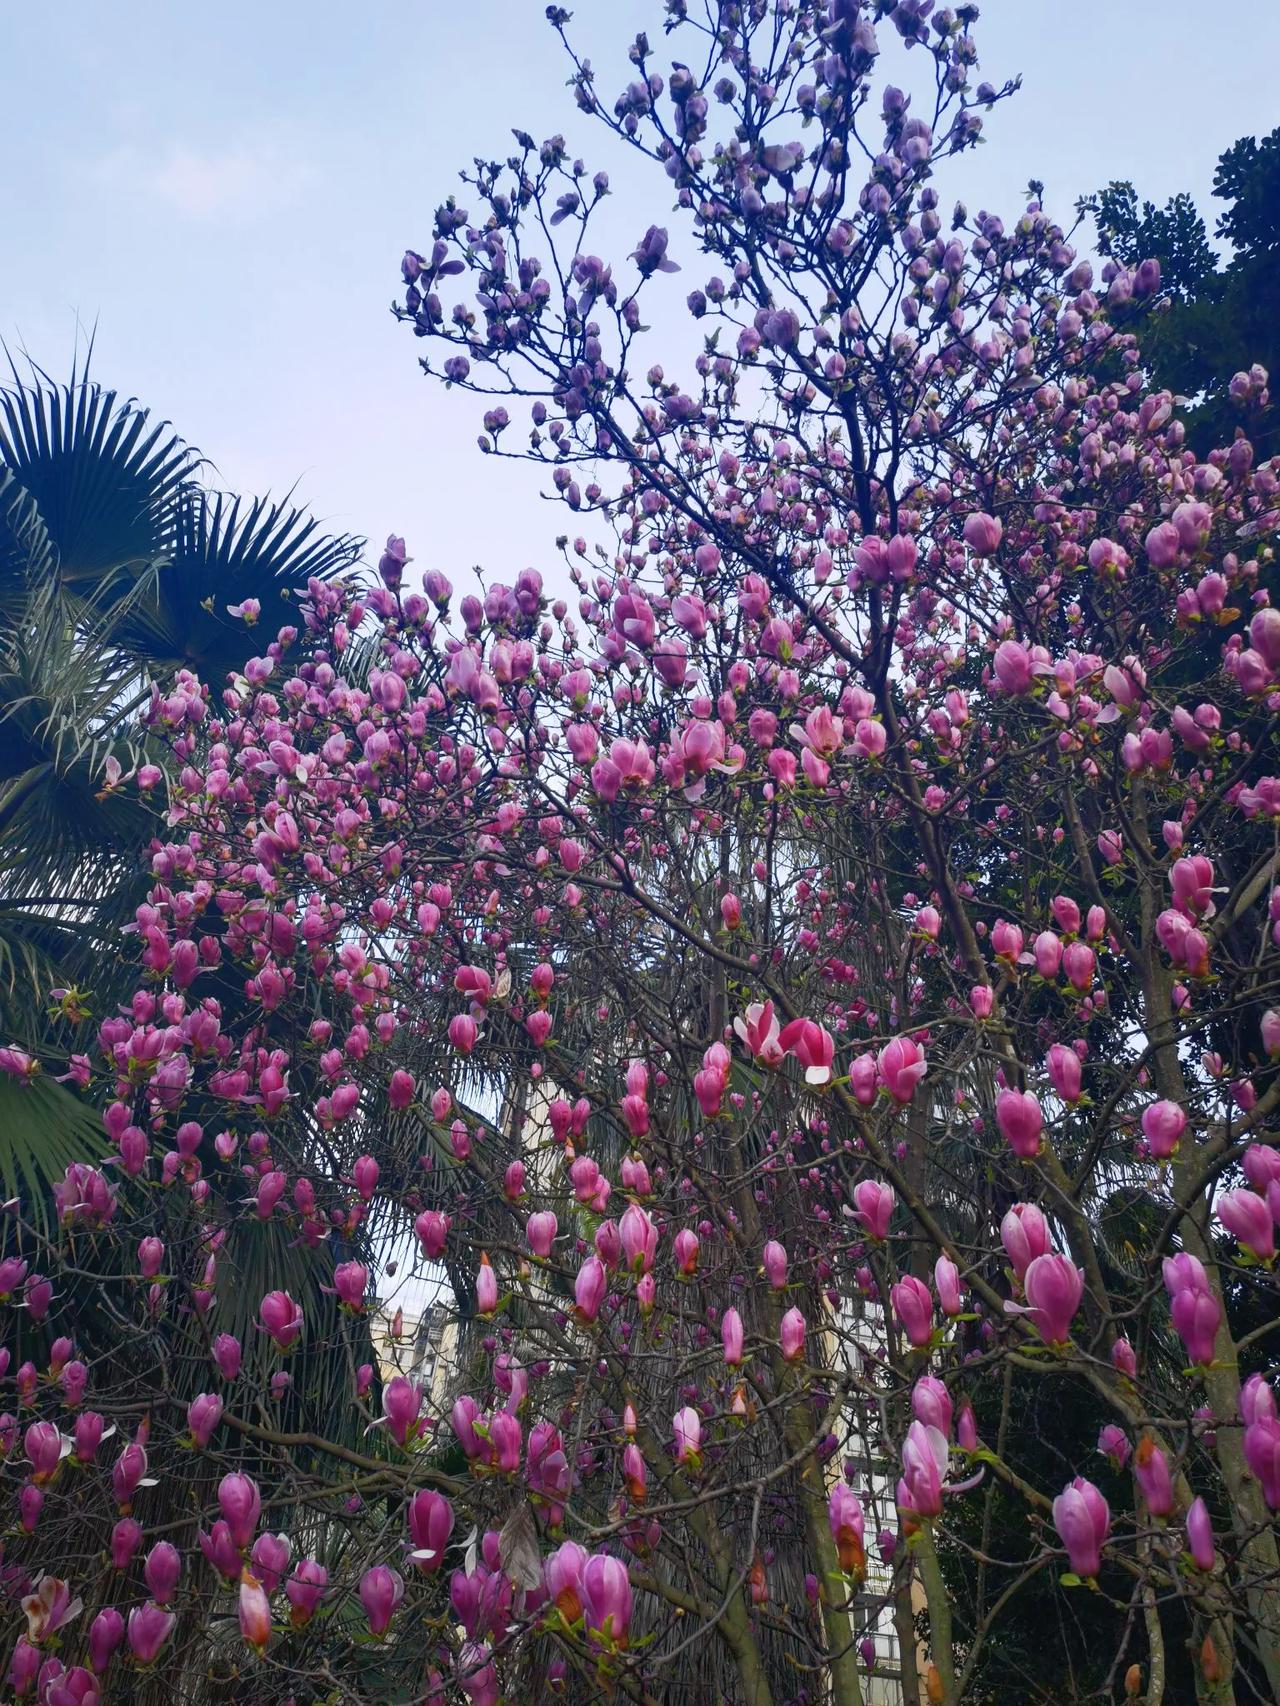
203, 1415
241, 1504
105, 1635
381, 1590
126, 1537
162, 1570
149, 1627
1200, 1535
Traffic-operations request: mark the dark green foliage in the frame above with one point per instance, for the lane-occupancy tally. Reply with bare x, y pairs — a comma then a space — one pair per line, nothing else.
1224, 312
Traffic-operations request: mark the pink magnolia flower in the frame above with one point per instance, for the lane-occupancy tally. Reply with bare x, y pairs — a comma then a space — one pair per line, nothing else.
639, 1239
1184, 1272
875, 1205
813, 1046
381, 1590
128, 1473
1064, 1068
635, 1473
280, 1318
870, 738
105, 1635
162, 1570
902, 1067
1083, 1521
924, 1469
126, 1537
822, 732
848, 1530
304, 1591
462, 1419
731, 1336
562, 1575
931, 1403
1006, 941
1054, 1287
240, 1503
148, 1629
1200, 1535
203, 1415
1247, 1218
430, 1520
432, 1229
791, 1335
864, 1079
1025, 1235
1078, 962
402, 1408
775, 1264
45, 1448
685, 1250
486, 1287
270, 1559
1196, 1316
227, 1355
966, 1427
913, 1307
1020, 1121
350, 1281
589, 1289
1262, 1453
1163, 1124
606, 1598
709, 1085
1012, 668
946, 1277
1257, 1401
463, 1033
687, 1428
982, 533
48, 1608
1151, 1471
1048, 954
1123, 1359
24, 1667
254, 1611
1113, 1443
540, 1230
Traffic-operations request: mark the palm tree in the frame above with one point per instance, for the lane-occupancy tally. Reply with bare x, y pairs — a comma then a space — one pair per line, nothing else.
118, 566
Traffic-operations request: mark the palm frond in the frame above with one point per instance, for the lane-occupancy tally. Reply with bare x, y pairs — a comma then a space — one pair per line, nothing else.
45, 1129
102, 474
225, 550
27, 557
54, 815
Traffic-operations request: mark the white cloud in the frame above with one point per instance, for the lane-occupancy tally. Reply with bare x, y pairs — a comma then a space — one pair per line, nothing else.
244, 179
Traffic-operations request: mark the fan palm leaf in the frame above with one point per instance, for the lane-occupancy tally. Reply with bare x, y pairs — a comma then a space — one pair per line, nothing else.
223, 551
45, 1128
102, 474
27, 556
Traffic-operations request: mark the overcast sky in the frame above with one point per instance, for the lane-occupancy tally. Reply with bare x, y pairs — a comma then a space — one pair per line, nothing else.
226, 191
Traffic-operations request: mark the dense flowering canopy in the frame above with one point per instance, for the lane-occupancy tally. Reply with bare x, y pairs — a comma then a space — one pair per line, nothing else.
862, 907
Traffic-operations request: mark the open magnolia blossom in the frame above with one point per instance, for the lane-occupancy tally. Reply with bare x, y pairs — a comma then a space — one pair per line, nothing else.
806, 1010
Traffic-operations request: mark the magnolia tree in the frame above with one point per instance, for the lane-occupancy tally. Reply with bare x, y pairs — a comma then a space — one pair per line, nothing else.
862, 907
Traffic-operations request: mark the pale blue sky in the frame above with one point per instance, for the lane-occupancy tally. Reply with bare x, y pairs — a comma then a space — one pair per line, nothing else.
227, 190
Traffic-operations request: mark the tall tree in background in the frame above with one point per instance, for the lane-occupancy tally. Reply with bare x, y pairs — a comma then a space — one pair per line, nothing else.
1223, 314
